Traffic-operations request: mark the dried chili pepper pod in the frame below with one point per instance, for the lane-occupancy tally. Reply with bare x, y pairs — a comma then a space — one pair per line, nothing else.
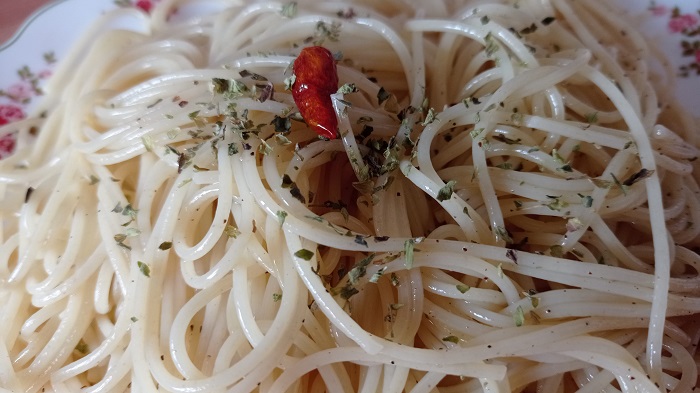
316, 78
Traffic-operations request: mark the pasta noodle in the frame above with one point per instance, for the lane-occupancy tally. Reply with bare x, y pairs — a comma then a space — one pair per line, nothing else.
512, 205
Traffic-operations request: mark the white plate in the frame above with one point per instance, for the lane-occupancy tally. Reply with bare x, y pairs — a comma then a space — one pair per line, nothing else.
27, 59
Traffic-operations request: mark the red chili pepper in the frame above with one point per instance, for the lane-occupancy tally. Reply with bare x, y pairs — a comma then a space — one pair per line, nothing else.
316, 79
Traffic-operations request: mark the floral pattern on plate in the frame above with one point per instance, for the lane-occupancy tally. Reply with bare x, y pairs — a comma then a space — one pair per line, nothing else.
145, 5
686, 26
21, 87
15, 98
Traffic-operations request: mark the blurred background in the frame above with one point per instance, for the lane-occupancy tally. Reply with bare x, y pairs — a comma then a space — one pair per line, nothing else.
13, 13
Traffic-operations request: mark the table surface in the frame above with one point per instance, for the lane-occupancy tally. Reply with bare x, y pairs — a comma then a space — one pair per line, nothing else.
14, 13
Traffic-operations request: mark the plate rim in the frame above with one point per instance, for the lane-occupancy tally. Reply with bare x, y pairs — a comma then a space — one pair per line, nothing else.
28, 21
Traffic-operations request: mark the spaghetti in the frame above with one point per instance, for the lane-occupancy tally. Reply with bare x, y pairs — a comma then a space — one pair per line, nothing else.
512, 205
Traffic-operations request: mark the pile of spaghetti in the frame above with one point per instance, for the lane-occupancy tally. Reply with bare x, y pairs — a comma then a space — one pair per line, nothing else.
511, 205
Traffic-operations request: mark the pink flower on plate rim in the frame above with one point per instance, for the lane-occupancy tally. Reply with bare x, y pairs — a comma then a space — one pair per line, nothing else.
681, 23
145, 5
10, 113
658, 10
45, 74
7, 144
20, 92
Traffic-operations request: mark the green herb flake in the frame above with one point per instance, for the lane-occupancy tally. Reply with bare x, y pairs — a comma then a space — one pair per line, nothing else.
289, 82
282, 140
519, 316
376, 276
82, 347
566, 168
347, 88
360, 239
394, 279
429, 117
129, 211
465, 210
529, 30
304, 254
282, 124
557, 204
264, 148
391, 160
296, 193
638, 176
601, 183
548, 20
518, 204
512, 255
382, 95
289, 10
169, 149
557, 157
591, 118
516, 118
281, 216
484, 19
364, 187
147, 141
134, 319
409, 248
348, 291
623, 188
502, 233
94, 180
236, 88
144, 268
476, 132
556, 251
158, 101
276, 297
125, 246
286, 181
445, 192
232, 231
534, 300
360, 269
165, 246
118, 208
506, 140
463, 288
219, 85
232, 149
452, 339
573, 224
315, 218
